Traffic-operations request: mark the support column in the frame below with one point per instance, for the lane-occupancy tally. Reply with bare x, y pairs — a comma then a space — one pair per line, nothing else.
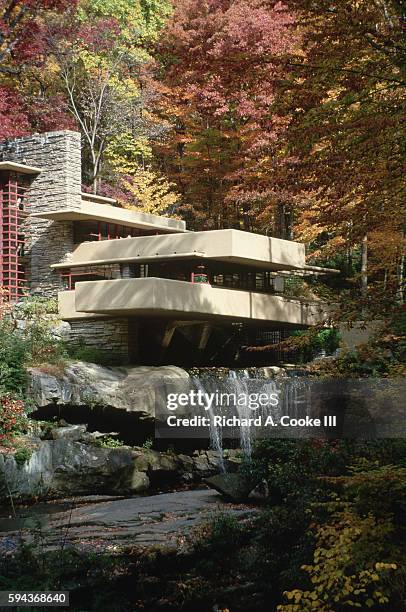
204, 336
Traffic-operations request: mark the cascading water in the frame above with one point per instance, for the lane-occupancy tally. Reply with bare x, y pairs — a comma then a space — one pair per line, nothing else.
242, 383
216, 438
238, 382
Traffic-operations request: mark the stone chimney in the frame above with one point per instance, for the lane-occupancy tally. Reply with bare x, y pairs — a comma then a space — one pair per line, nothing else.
56, 188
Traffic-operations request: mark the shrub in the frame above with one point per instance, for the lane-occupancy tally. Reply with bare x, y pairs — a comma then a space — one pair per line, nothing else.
382, 356
292, 467
13, 418
28, 343
13, 354
81, 352
379, 452
217, 539
381, 492
41, 345
310, 342
109, 442
283, 542
148, 444
305, 478
22, 455
335, 581
327, 339
35, 307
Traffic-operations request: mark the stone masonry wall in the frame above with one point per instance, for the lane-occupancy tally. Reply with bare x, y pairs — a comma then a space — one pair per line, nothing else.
110, 335
58, 187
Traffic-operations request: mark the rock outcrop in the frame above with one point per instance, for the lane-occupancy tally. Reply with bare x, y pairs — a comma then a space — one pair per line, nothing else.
63, 467
130, 389
72, 462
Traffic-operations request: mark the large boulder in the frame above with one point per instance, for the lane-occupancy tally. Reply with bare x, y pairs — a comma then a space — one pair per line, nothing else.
62, 467
134, 389
80, 468
233, 487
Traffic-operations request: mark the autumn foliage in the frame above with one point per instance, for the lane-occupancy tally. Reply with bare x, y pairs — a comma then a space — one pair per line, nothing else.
13, 418
29, 100
223, 62
345, 99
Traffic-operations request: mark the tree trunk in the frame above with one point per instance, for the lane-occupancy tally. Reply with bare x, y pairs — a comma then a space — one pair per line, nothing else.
364, 268
400, 279
94, 173
283, 222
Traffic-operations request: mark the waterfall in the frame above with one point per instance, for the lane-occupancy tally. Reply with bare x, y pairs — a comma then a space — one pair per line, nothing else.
216, 438
238, 383
292, 390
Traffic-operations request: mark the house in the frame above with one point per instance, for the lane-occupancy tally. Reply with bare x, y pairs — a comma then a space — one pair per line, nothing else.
129, 282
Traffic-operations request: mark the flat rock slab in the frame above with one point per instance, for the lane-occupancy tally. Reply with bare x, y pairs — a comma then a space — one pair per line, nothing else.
157, 520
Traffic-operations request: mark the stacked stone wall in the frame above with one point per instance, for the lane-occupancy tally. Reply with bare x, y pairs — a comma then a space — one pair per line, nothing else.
115, 336
57, 187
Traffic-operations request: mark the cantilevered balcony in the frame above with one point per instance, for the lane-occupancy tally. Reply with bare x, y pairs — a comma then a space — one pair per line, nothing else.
160, 297
229, 245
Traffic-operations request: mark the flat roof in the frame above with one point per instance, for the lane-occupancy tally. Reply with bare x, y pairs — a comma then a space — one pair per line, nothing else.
20, 168
95, 211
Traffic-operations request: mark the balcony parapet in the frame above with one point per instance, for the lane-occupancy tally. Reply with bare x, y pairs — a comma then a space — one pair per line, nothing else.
228, 245
182, 300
